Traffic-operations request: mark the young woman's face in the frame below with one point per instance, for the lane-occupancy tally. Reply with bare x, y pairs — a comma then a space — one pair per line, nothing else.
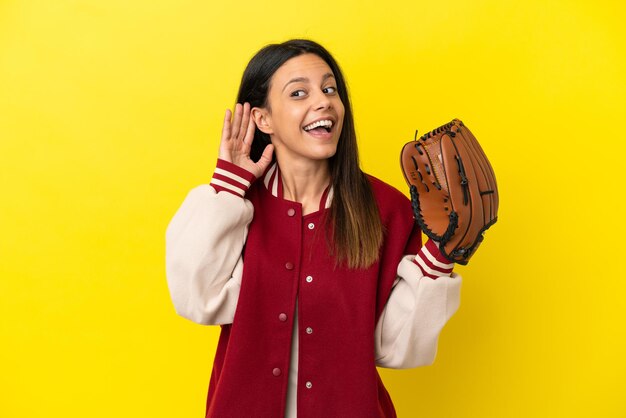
305, 114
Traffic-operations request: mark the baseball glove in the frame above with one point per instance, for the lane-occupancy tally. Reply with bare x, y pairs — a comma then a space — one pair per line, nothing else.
453, 188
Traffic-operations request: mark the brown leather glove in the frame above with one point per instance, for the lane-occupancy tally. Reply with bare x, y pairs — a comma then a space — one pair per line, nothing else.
453, 188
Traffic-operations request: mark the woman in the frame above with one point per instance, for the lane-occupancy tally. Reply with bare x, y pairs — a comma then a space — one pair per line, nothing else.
314, 269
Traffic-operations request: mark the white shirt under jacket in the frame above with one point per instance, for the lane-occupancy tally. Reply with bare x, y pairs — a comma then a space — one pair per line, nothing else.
204, 243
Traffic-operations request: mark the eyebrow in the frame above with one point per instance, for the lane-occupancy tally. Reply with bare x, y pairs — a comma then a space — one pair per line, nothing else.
306, 80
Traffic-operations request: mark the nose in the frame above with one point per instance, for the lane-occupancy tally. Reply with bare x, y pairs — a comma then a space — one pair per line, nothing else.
321, 101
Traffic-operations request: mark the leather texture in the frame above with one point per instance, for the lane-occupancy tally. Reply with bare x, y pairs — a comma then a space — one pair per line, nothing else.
453, 188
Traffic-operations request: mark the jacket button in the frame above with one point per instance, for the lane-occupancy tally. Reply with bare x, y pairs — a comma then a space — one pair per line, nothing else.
291, 212
276, 371
282, 317
308, 385
309, 330
309, 279
311, 225
289, 265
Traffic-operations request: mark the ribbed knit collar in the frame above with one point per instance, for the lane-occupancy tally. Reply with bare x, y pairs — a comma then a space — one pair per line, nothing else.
274, 183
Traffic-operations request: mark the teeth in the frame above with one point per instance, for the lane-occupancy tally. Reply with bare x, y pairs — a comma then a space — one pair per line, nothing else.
325, 123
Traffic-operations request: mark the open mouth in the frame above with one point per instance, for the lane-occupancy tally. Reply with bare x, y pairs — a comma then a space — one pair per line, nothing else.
319, 130
319, 127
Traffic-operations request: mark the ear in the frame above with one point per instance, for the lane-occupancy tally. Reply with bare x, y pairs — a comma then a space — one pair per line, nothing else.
263, 120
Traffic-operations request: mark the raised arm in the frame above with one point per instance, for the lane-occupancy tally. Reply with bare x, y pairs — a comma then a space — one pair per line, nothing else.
425, 296
205, 238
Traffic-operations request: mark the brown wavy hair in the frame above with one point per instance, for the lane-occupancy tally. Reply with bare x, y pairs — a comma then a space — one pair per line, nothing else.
354, 228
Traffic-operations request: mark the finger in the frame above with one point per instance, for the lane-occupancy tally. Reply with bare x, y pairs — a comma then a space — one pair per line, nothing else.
236, 121
266, 157
250, 132
243, 130
226, 126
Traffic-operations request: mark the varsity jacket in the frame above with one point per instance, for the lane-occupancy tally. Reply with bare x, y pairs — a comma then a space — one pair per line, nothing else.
300, 336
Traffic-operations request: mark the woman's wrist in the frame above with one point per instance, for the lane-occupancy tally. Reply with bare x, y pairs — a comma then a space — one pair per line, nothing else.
432, 263
231, 178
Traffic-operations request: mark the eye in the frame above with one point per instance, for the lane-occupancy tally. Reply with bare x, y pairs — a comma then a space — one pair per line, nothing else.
330, 90
298, 93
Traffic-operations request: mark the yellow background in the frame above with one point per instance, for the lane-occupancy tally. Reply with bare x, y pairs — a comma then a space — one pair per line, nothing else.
110, 111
